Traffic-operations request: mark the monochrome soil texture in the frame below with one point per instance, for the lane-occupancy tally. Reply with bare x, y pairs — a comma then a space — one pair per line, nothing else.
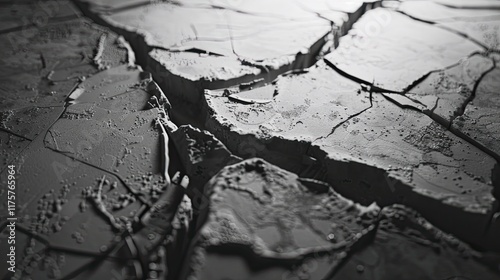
250, 139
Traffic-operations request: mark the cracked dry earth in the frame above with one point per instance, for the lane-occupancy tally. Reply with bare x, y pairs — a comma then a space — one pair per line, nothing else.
238, 139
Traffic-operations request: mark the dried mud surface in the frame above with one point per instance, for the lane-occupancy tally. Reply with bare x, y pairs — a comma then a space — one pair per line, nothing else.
251, 139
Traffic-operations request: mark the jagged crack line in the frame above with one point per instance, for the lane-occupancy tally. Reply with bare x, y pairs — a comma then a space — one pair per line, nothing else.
131, 190
50, 246
24, 27
402, 106
358, 246
461, 34
15, 134
187, 50
344, 74
347, 120
471, 19
471, 97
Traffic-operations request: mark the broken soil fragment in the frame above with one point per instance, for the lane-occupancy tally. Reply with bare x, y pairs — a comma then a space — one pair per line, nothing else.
426, 161
406, 246
216, 45
266, 223
118, 135
44, 64
374, 51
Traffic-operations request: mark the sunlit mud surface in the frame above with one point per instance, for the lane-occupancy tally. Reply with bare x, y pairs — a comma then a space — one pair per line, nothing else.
238, 139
